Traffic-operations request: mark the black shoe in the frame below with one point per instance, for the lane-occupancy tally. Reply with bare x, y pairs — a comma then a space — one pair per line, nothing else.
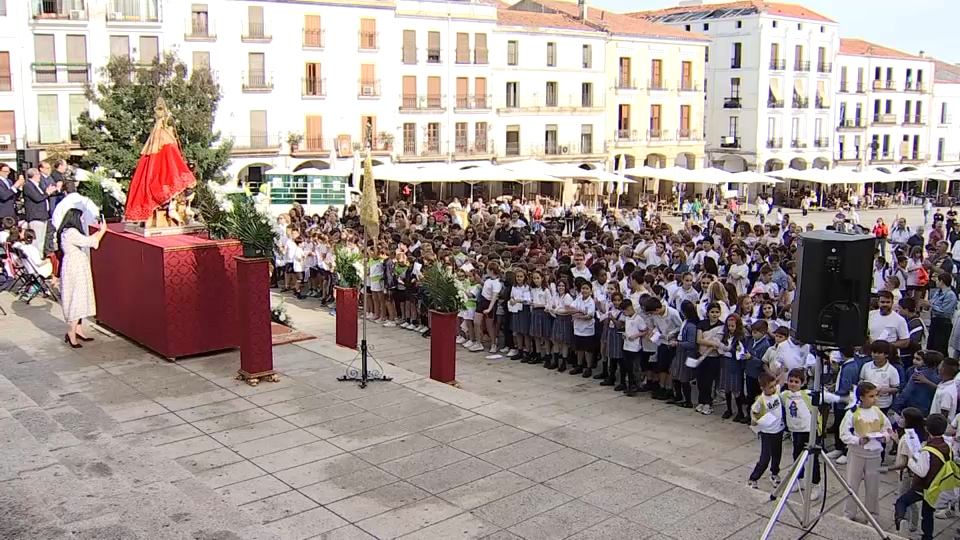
549, 364
517, 356
525, 358
745, 420
576, 371
630, 392
686, 405
673, 400
84, 338
602, 375
66, 339
426, 334
740, 418
537, 359
562, 367
606, 382
587, 373
619, 388
727, 415
646, 387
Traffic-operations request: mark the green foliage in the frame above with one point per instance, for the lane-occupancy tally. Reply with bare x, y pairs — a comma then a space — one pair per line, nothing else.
126, 95
349, 268
102, 191
442, 290
251, 227
208, 207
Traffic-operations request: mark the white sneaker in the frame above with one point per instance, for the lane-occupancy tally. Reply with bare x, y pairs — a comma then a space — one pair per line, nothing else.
476, 347
842, 460
389, 324
467, 344
834, 454
405, 326
513, 352
946, 513
493, 349
504, 350
494, 356
815, 494
707, 409
774, 480
461, 340
753, 484
425, 328
698, 408
371, 316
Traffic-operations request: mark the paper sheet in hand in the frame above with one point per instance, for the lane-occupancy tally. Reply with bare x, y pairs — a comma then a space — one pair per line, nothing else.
766, 422
875, 441
913, 442
656, 337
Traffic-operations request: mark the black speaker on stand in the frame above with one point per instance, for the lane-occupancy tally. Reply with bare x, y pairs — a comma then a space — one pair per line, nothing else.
832, 301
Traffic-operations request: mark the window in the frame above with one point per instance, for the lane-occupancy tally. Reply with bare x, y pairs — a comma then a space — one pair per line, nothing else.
463, 91
368, 130
120, 46
737, 57
623, 121
771, 128
818, 128
313, 136
409, 139
6, 82
512, 52
255, 26
460, 137
433, 137
479, 48
552, 94
312, 33
551, 54
841, 143
78, 70
8, 125
46, 57
656, 74
48, 114
706, 54
313, 81
199, 21
706, 26
78, 105
739, 24
799, 63
886, 145
480, 137
795, 129
686, 75
433, 47
409, 47
3, 8
434, 99
463, 48
943, 106
513, 99
586, 94
586, 139
735, 87
201, 60
550, 140
368, 34
774, 24
408, 99
257, 78
480, 92
684, 121
655, 118
587, 57
625, 80
733, 128
513, 141
941, 149
843, 78
149, 49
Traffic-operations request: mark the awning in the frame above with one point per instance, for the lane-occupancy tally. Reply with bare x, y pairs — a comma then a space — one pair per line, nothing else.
798, 87
775, 89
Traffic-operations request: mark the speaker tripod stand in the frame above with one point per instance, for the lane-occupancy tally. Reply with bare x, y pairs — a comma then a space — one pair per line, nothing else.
812, 457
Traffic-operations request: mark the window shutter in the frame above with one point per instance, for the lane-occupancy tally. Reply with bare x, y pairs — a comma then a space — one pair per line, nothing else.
463, 48
367, 73
44, 51
409, 46
311, 22
480, 86
433, 41
684, 117
433, 86
313, 70
480, 46
78, 105
255, 63
258, 123
49, 118
314, 132
8, 124
76, 49
311, 30
255, 15
5, 64
463, 85
120, 46
655, 117
409, 86
149, 49
799, 88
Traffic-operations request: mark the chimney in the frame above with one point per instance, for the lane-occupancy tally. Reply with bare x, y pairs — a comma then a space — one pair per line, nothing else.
583, 9
921, 54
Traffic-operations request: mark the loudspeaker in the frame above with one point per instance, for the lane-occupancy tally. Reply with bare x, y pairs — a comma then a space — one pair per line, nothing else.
27, 158
832, 300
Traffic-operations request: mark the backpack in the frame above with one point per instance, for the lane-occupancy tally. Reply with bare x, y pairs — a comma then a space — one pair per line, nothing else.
923, 277
947, 480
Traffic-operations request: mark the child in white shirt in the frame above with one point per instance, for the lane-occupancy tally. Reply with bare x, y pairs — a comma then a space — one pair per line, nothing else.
768, 410
864, 430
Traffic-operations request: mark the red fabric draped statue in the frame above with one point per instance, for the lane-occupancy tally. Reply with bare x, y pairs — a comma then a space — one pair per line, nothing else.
161, 173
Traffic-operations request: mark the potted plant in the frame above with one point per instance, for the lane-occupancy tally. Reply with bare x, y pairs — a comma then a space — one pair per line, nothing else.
294, 138
445, 297
350, 276
252, 228
386, 139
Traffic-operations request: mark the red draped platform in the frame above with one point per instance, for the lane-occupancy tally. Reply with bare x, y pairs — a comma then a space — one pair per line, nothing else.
175, 295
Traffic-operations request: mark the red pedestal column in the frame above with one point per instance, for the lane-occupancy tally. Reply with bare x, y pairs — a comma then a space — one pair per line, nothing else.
347, 305
443, 347
253, 316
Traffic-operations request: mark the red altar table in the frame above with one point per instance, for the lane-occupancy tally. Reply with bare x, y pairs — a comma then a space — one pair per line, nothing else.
175, 295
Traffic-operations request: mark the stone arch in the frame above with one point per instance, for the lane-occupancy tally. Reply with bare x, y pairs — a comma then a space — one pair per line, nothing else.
821, 163
773, 164
312, 164
798, 163
731, 163
629, 161
657, 161
686, 160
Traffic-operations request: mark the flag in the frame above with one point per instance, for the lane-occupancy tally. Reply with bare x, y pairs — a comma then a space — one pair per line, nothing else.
369, 212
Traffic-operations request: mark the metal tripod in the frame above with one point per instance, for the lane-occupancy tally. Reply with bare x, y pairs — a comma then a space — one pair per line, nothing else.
364, 374
808, 460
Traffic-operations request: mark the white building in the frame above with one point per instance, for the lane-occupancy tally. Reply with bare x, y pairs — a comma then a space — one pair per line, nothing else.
884, 113
769, 81
945, 127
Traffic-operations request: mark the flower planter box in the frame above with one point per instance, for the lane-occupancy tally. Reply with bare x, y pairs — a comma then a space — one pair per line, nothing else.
443, 347
347, 306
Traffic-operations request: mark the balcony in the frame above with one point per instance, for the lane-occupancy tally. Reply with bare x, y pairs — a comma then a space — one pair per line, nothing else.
255, 32
314, 38
255, 142
655, 135
625, 83
199, 30
430, 148
136, 11
59, 10
778, 64
846, 158
569, 103
800, 102
481, 56
626, 135
774, 103
861, 88
368, 41
6, 82
688, 86
821, 142
915, 158
775, 143
797, 143
824, 67
884, 86
851, 124
945, 119
732, 103
656, 86
821, 103
256, 82
465, 148
801, 66
60, 73
548, 149
884, 119
914, 120
688, 135
882, 157
479, 102
368, 89
422, 102
843, 87
434, 57
915, 87
314, 144
313, 87
730, 141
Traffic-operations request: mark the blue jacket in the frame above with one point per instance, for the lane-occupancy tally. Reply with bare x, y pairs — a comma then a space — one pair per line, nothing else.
915, 394
848, 377
688, 340
754, 366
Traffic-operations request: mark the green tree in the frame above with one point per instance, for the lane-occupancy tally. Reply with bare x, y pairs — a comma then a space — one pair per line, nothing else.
125, 97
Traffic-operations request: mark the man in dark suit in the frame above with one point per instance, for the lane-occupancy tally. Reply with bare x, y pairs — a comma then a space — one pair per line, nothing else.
9, 190
47, 179
36, 206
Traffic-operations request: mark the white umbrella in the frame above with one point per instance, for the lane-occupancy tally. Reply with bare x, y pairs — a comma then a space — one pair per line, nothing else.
276, 171
90, 212
642, 171
750, 177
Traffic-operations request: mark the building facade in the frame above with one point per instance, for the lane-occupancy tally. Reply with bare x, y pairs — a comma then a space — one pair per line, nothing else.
885, 114
769, 77
945, 127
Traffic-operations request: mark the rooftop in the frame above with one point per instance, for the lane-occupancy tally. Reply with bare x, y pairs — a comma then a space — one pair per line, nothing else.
614, 23
859, 47
507, 17
946, 73
730, 10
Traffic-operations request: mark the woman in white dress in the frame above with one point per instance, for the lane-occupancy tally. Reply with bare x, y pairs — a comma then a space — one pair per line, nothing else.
76, 278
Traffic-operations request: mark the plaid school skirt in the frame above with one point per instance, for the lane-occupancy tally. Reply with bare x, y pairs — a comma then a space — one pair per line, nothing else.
679, 369
731, 379
562, 331
541, 324
614, 342
520, 321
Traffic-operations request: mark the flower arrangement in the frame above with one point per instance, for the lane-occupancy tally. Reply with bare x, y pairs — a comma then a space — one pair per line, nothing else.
442, 290
105, 192
234, 214
349, 267
278, 314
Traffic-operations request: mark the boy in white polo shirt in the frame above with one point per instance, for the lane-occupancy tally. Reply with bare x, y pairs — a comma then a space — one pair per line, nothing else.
882, 374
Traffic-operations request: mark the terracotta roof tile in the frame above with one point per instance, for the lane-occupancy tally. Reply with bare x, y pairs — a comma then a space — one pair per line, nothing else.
946, 73
794, 11
618, 23
507, 17
859, 47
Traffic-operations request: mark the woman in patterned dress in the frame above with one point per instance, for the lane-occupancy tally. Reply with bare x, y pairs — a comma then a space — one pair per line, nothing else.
76, 278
